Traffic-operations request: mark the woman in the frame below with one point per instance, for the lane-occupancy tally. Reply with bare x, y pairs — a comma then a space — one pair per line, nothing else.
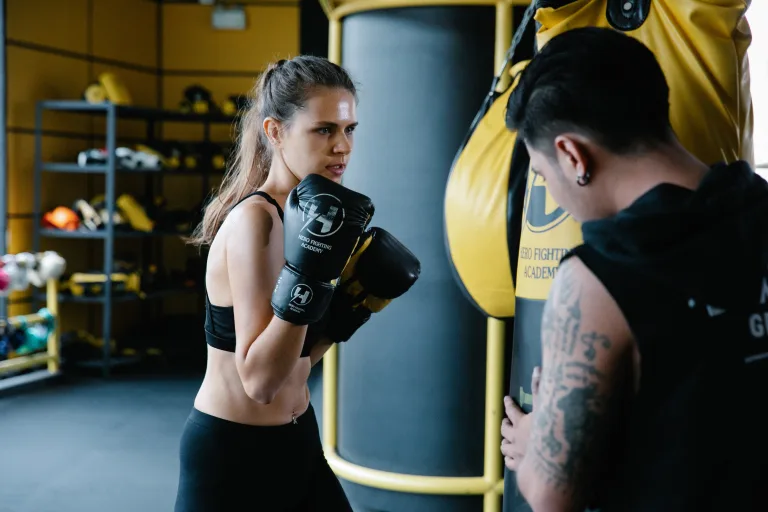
251, 441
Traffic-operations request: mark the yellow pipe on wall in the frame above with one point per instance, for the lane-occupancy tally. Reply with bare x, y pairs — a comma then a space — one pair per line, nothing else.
357, 6
491, 484
334, 40
504, 25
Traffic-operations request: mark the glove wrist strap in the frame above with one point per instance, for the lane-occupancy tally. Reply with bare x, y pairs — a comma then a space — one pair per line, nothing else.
299, 299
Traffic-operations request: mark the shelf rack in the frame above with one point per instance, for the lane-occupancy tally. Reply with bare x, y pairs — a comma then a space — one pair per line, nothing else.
112, 113
51, 358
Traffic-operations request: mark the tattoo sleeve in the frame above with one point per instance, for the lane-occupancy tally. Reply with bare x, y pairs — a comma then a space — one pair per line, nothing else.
571, 415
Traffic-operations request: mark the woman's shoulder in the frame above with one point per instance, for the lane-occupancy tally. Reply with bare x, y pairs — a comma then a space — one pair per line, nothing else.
251, 218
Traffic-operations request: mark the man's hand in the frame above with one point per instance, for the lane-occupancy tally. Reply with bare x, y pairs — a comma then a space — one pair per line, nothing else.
516, 427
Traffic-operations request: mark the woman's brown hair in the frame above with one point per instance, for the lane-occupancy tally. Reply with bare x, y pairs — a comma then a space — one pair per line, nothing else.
281, 90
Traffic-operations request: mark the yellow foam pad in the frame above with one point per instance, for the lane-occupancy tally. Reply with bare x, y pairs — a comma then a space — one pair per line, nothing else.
476, 211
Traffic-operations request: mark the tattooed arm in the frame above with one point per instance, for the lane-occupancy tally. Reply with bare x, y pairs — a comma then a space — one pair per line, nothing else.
586, 355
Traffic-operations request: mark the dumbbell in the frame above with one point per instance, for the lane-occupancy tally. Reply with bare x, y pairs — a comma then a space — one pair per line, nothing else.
37, 333
18, 278
17, 337
50, 265
10, 341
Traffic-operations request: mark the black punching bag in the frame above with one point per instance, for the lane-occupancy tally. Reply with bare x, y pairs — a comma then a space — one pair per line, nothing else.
412, 380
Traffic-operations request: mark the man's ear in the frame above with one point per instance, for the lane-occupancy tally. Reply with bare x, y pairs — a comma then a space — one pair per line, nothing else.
271, 127
573, 155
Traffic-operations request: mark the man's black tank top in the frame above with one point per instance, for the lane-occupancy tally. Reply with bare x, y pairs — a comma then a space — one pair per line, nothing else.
691, 439
220, 320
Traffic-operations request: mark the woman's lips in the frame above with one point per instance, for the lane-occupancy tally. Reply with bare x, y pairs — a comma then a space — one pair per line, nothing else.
337, 169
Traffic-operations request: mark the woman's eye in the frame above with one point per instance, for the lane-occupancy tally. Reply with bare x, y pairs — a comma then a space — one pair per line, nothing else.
351, 129
324, 131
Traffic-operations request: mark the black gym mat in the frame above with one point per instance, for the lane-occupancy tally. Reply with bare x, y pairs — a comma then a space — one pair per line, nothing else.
89, 445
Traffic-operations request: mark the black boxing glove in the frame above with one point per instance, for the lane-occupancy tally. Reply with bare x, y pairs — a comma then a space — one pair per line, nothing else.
323, 222
380, 270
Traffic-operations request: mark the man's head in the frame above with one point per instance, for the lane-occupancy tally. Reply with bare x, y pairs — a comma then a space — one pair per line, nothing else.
591, 99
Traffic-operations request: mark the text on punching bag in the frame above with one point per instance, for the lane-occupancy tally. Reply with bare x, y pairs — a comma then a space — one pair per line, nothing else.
550, 255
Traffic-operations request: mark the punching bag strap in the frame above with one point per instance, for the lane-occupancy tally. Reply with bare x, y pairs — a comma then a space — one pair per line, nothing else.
517, 52
627, 15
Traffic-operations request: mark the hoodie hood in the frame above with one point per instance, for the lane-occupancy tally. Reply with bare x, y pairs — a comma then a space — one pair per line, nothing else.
710, 242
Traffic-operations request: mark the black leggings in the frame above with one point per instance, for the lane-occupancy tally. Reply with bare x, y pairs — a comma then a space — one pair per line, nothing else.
231, 466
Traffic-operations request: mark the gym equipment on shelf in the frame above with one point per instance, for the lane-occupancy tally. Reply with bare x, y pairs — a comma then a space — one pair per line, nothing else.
197, 100
30, 341
116, 215
234, 104
62, 218
108, 88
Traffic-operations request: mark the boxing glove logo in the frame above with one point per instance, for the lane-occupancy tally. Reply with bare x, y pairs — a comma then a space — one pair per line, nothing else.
301, 295
323, 215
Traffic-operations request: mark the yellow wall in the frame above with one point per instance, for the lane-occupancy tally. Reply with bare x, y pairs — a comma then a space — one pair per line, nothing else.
226, 63
55, 49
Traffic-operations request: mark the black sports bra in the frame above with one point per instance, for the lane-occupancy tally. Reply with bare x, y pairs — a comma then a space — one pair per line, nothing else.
220, 320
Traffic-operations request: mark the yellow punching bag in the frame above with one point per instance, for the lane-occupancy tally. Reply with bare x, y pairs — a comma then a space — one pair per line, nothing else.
701, 46
478, 227
482, 209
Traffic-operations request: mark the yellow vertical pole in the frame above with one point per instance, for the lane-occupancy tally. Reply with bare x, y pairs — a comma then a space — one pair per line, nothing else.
494, 366
331, 357
334, 41
330, 385
503, 40
52, 304
494, 377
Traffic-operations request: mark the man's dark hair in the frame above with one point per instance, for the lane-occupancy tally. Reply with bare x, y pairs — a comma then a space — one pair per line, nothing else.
597, 82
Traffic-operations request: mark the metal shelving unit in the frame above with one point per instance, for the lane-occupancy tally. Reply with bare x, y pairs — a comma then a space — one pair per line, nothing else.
113, 113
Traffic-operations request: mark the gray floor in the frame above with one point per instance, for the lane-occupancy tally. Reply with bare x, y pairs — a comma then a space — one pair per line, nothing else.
93, 445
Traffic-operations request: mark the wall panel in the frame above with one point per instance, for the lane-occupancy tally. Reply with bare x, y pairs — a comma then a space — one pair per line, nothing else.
126, 30
59, 24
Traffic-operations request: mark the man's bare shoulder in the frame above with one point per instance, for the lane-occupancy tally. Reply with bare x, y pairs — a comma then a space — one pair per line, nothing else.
573, 272
576, 286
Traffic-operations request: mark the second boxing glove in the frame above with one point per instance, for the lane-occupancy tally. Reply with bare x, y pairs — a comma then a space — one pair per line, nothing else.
323, 223
380, 270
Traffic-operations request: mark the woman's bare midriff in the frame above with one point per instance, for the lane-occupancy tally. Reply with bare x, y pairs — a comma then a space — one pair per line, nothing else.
222, 395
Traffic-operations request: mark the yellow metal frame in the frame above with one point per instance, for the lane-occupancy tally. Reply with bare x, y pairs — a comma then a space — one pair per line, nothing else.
51, 357
491, 483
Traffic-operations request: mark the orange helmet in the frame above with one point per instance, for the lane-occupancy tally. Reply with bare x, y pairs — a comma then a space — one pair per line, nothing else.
61, 217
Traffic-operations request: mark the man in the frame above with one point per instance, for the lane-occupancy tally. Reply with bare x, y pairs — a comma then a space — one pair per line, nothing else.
655, 334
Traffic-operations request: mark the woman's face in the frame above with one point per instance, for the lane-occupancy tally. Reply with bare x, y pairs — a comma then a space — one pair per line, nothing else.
319, 139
